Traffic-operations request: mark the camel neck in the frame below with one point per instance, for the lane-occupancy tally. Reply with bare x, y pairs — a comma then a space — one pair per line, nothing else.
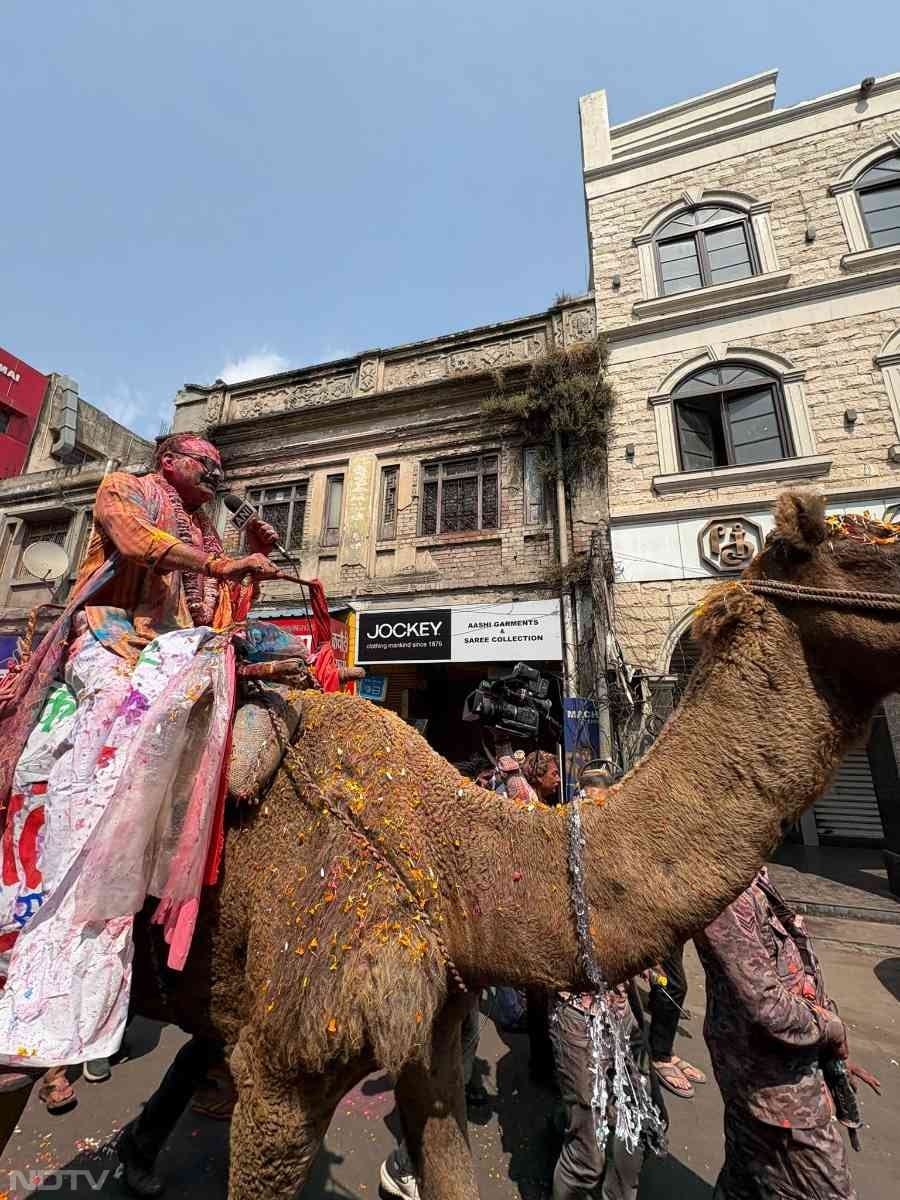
684, 833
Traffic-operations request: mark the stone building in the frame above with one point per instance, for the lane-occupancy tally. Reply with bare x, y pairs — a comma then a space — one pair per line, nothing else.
71, 447
431, 527
746, 270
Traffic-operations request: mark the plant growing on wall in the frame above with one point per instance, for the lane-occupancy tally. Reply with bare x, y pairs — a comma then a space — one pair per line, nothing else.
565, 392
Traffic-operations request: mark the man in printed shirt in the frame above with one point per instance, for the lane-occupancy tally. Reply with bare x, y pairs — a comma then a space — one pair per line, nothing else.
140, 646
769, 1024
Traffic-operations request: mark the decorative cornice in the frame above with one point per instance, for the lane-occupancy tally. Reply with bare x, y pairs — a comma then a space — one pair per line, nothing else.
864, 260
719, 477
702, 298
828, 289
779, 116
678, 512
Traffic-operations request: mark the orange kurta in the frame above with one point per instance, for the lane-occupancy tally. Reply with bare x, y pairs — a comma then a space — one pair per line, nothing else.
134, 516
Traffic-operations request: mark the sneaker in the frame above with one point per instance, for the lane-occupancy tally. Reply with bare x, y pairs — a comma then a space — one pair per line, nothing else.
97, 1070
397, 1178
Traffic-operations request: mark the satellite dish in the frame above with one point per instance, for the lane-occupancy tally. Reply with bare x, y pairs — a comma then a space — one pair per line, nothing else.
45, 560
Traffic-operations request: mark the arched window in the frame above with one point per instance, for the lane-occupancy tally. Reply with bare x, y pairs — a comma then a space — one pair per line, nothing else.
730, 415
704, 246
878, 189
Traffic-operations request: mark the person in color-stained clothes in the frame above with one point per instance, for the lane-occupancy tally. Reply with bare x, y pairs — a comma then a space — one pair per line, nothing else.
93, 726
769, 1026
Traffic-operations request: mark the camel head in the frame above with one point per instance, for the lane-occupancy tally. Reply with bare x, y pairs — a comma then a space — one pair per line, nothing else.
858, 646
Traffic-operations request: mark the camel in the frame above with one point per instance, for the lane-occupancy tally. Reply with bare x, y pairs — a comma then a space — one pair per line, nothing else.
373, 880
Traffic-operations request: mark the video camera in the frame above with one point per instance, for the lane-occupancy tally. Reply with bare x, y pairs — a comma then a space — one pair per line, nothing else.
514, 704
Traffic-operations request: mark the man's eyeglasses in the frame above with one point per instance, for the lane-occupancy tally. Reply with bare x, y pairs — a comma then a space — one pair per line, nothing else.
210, 466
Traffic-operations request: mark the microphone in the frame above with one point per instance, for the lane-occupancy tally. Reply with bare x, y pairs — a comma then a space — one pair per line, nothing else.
242, 513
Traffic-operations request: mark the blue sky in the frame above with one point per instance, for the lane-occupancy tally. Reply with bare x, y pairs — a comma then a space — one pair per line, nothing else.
202, 186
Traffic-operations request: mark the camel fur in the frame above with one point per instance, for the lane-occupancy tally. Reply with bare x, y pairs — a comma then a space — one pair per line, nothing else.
316, 965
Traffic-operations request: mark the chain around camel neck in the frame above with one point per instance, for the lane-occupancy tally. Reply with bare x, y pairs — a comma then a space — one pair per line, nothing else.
361, 835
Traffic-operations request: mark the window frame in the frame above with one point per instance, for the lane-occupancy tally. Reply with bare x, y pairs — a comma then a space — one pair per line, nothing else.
387, 530
35, 531
331, 534
6, 415
742, 219
861, 190
256, 497
442, 464
532, 475
722, 394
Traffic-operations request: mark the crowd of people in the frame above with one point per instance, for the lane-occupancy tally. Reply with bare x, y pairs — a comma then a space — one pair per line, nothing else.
86, 756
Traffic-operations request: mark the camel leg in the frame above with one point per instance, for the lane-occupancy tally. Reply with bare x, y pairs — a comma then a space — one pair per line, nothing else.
433, 1107
279, 1123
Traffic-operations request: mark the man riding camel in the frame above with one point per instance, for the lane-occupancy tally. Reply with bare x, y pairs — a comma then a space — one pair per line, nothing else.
114, 739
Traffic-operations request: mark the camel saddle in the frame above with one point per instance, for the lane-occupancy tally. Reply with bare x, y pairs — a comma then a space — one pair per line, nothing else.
265, 722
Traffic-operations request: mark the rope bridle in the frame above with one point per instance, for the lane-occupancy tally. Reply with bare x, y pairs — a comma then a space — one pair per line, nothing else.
833, 597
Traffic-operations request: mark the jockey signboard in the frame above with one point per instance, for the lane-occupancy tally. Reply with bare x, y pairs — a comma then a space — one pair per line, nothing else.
508, 632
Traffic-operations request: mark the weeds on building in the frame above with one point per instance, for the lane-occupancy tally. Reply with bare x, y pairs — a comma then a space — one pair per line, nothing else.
567, 392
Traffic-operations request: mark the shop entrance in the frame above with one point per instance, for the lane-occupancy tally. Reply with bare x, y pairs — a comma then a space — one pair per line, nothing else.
431, 696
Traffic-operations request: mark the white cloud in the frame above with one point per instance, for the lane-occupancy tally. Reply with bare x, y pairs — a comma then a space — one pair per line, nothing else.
131, 408
251, 366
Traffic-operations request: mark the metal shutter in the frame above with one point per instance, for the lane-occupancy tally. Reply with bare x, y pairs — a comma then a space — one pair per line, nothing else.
848, 812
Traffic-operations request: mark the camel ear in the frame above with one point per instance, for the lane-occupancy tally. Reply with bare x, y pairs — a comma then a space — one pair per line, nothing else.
800, 520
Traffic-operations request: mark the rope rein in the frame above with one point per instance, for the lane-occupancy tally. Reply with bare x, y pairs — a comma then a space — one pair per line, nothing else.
834, 597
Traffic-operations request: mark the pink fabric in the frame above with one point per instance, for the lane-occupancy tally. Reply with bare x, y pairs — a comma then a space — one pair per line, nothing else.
180, 895
162, 819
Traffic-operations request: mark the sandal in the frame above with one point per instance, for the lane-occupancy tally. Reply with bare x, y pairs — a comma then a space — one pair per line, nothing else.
57, 1094
670, 1075
688, 1070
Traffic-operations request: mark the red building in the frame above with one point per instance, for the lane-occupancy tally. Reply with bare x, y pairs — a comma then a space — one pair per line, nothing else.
22, 391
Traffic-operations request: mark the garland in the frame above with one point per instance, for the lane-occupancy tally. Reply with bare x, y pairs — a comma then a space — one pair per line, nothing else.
201, 591
863, 528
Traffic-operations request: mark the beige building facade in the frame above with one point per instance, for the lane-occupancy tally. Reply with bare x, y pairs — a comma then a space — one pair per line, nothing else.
746, 270
387, 483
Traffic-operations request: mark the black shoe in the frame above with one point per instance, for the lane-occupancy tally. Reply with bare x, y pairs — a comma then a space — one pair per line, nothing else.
96, 1070
137, 1170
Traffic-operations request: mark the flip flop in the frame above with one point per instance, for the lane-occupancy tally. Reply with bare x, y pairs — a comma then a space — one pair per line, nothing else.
58, 1096
667, 1074
688, 1070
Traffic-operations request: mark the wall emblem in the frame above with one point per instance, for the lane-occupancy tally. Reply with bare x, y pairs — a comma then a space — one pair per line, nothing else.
728, 543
